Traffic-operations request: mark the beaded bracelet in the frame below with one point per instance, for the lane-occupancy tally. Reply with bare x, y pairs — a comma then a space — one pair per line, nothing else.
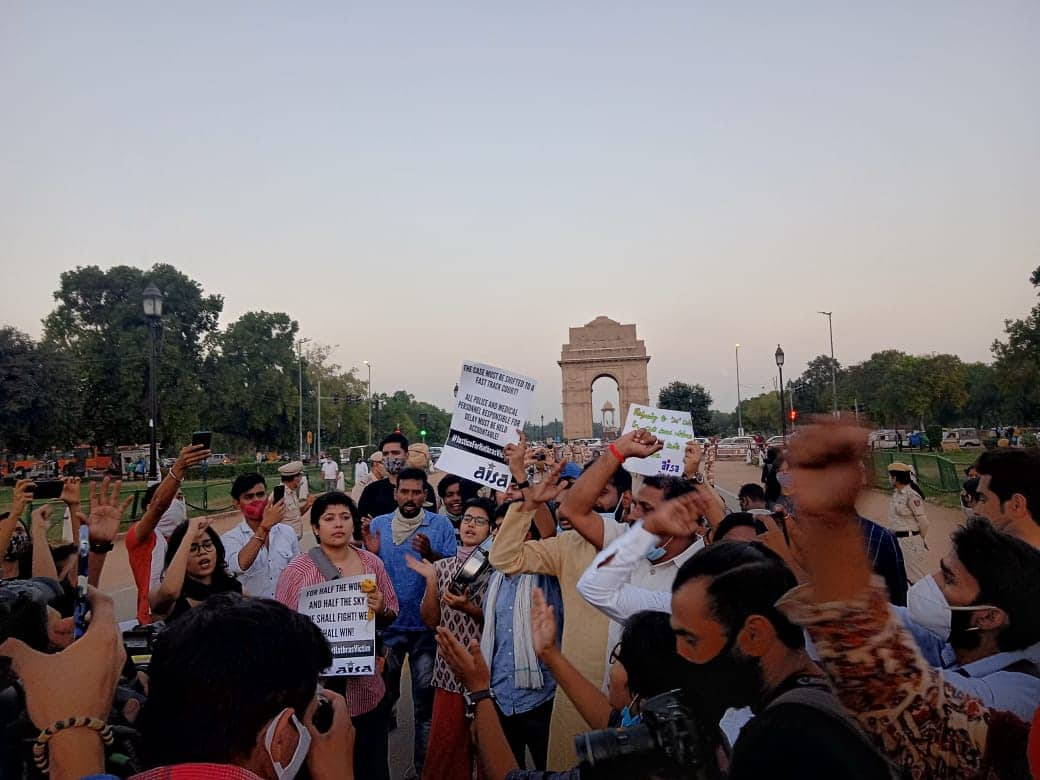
40, 757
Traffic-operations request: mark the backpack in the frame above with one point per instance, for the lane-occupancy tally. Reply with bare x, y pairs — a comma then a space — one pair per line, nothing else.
823, 700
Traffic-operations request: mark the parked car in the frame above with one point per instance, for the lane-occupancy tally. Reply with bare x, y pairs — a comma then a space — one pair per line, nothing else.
955, 438
776, 441
735, 447
435, 453
884, 439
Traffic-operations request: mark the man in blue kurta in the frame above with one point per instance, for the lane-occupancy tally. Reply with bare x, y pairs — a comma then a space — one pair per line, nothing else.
411, 531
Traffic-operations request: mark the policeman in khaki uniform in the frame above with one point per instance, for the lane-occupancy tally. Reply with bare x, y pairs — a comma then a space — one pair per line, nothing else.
297, 502
908, 521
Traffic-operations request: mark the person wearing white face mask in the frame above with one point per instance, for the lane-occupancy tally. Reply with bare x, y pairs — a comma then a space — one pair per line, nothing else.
978, 618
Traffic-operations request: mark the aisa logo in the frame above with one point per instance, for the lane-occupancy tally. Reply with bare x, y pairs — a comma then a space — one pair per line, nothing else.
491, 475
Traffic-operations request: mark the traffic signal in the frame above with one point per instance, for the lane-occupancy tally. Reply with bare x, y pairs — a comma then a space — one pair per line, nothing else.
793, 415
422, 424
335, 399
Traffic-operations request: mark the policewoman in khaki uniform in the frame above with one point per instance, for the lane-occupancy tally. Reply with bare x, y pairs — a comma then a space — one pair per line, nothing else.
908, 521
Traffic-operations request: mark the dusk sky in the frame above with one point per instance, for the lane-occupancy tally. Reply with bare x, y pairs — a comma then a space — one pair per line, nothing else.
423, 184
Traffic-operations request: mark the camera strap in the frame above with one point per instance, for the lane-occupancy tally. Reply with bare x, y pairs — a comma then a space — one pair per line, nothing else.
325, 566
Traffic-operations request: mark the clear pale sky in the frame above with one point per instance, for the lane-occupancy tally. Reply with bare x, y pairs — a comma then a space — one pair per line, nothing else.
422, 184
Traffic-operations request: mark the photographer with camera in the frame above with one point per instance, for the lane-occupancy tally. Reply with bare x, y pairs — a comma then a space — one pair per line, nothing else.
750, 654
455, 602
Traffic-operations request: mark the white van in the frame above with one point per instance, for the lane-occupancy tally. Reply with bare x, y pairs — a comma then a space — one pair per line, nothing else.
955, 438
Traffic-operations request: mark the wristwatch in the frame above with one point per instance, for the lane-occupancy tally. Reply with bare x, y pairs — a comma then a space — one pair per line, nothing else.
523, 485
474, 698
101, 547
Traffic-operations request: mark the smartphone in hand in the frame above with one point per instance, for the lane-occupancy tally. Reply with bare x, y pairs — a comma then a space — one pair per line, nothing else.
279, 493
205, 438
47, 488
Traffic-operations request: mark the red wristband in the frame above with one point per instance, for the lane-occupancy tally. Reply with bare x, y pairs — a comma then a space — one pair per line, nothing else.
616, 454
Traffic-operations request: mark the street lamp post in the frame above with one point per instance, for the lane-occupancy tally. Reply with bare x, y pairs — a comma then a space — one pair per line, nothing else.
369, 365
740, 419
834, 370
543, 429
299, 349
779, 355
152, 300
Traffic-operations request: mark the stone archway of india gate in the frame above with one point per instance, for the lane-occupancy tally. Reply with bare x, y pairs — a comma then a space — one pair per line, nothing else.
601, 348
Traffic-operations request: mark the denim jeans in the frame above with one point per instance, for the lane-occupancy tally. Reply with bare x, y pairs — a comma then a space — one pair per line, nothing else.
421, 648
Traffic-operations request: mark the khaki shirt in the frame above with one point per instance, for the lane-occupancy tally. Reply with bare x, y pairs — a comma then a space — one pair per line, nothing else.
291, 512
906, 512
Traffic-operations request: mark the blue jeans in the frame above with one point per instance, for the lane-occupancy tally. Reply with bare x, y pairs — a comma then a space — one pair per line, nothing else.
421, 649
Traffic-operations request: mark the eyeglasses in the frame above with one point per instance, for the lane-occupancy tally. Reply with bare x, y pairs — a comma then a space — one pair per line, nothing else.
615, 653
205, 546
474, 520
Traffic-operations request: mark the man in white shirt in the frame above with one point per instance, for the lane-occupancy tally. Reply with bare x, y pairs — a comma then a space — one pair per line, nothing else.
329, 472
361, 468
259, 548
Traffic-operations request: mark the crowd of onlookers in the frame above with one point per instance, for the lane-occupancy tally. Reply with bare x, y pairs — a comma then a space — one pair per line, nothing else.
584, 622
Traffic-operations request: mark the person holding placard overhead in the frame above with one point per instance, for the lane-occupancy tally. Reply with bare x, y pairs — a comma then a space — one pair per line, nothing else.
333, 520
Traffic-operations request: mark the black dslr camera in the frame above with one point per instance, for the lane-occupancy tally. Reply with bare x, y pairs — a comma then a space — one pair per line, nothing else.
668, 739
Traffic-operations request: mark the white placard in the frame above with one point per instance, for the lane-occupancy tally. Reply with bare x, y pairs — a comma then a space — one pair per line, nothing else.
673, 428
491, 405
340, 609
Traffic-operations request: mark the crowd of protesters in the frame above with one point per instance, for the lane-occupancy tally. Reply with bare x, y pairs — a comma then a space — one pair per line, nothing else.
581, 623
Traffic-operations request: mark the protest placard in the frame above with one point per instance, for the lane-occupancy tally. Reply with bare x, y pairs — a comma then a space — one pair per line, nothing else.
339, 608
491, 405
673, 428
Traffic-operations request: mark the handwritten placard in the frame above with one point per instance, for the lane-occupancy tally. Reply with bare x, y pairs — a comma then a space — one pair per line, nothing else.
339, 608
675, 429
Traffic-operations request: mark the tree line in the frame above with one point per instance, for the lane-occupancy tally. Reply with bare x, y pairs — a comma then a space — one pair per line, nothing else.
896, 389
86, 380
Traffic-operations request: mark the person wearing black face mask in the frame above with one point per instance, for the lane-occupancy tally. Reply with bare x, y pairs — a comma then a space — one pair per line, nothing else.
748, 654
378, 497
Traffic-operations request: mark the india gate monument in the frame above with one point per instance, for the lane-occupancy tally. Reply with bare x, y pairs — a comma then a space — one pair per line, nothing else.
600, 348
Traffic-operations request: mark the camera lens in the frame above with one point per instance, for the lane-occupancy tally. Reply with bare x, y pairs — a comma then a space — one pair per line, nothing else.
606, 746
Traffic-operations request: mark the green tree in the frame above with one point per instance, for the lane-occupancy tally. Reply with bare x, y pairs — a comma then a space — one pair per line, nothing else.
761, 413
1017, 364
985, 401
250, 380
683, 397
99, 328
814, 394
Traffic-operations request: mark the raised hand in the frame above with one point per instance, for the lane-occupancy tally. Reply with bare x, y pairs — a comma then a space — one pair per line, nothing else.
682, 516
692, 458
421, 544
189, 456
639, 443
543, 623
79, 680
516, 457
467, 663
105, 510
22, 497
422, 567
371, 540
548, 489
70, 493
273, 514
826, 466
325, 759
